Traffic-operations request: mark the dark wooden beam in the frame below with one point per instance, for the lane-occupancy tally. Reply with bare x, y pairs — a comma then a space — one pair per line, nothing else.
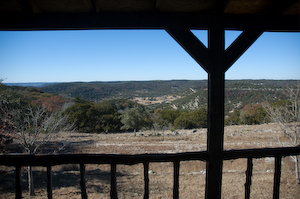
155, 20
176, 166
240, 45
113, 181
279, 7
216, 46
215, 134
146, 180
29, 6
49, 182
44, 160
277, 175
261, 153
82, 182
91, 4
191, 44
215, 129
215, 60
248, 177
220, 6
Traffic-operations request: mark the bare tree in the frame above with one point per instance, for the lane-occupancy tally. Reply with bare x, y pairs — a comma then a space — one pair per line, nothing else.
35, 127
287, 114
31, 126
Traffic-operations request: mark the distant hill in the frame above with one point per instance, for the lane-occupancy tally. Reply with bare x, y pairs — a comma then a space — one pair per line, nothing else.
178, 94
32, 84
99, 91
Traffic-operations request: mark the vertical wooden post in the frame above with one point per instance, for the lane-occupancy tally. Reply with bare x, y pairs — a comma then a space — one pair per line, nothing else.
49, 182
18, 182
248, 178
113, 181
277, 175
82, 181
176, 180
146, 180
215, 130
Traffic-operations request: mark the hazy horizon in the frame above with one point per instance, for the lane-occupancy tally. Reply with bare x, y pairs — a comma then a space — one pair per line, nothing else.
8, 83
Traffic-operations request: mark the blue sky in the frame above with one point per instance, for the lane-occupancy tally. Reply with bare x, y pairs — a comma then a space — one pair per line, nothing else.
121, 55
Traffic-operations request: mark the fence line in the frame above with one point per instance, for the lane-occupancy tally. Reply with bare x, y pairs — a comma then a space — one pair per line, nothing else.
113, 159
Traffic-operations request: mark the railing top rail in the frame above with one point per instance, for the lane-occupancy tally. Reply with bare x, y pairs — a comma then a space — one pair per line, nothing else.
45, 160
260, 153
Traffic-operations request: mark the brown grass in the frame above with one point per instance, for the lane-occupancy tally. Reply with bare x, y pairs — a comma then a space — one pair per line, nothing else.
192, 173
156, 100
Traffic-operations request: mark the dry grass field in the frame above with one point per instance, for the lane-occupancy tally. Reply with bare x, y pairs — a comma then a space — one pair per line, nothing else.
156, 100
192, 173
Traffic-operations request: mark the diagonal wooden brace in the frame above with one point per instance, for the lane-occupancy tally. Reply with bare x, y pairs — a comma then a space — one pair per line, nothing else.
191, 44
240, 45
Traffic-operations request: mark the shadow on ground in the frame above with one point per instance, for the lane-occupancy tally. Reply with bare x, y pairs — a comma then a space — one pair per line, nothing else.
62, 147
59, 179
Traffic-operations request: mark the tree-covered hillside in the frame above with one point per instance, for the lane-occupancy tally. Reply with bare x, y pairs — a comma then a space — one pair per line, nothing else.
190, 94
107, 112
99, 91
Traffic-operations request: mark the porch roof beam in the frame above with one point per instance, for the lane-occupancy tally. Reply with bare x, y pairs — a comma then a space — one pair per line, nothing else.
77, 21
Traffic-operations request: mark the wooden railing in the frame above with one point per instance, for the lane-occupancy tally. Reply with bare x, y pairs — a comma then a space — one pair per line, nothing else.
82, 159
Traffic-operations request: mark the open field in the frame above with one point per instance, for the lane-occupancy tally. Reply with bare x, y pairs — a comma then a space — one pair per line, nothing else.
192, 173
156, 100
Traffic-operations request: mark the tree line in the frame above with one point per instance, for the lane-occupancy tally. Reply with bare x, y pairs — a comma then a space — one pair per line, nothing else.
124, 115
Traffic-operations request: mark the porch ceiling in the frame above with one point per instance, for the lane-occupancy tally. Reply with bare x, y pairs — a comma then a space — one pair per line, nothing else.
280, 15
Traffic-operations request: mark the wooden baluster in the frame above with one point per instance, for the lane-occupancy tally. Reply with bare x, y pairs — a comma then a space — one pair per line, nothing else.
146, 180
176, 179
248, 178
18, 183
82, 182
49, 182
277, 174
113, 181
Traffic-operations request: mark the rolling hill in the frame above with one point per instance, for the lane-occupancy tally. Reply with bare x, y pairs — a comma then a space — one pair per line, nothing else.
178, 94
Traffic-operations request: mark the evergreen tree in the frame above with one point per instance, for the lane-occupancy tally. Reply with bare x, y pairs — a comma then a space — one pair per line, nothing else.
134, 118
103, 118
77, 114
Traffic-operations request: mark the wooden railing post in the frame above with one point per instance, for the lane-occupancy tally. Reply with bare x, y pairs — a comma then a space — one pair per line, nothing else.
248, 177
82, 182
176, 180
277, 175
113, 181
146, 180
49, 182
18, 182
